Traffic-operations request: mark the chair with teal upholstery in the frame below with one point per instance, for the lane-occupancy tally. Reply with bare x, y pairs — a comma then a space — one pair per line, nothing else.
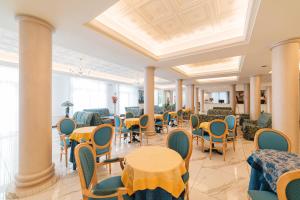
164, 123
129, 115
196, 131
217, 135
120, 129
111, 188
288, 186
181, 141
142, 129
65, 127
268, 138
231, 124
179, 118
101, 139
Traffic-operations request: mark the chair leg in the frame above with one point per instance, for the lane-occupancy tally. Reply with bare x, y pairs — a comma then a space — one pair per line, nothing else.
187, 191
61, 153
197, 139
109, 165
210, 149
141, 138
233, 143
224, 151
66, 156
202, 144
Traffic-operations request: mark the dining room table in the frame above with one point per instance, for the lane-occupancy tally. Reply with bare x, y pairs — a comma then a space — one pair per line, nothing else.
77, 136
267, 165
157, 178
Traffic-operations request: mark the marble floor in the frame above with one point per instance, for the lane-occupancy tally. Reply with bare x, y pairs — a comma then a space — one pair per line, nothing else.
209, 179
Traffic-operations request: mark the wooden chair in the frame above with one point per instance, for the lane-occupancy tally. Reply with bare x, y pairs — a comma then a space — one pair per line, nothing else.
180, 141
267, 138
288, 186
217, 135
179, 118
101, 142
129, 115
194, 124
65, 127
120, 130
110, 188
231, 124
142, 129
164, 123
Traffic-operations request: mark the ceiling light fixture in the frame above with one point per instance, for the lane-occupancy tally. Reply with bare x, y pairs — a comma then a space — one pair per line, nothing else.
218, 79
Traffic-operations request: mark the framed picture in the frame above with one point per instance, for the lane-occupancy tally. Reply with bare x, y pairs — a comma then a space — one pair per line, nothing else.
240, 97
141, 96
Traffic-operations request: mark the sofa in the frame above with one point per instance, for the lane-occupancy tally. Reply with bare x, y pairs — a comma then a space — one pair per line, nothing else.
251, 126
220, 111
208, 118
103, 112
83, 119
243, 117
136, 110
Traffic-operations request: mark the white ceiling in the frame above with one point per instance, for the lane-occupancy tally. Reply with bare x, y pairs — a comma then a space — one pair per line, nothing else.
275, 21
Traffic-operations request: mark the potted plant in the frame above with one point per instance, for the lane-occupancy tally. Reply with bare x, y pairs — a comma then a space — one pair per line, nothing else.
114, 100
67, 104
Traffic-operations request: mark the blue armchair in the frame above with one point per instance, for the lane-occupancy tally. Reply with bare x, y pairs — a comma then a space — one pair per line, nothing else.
251, 126
196, 131
111, 188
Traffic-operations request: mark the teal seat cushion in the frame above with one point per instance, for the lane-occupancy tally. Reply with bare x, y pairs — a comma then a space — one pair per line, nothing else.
123, 130
107, 187
207, 137
197, 132
262, 195
159, 123
185, 177
102, 151
67, 142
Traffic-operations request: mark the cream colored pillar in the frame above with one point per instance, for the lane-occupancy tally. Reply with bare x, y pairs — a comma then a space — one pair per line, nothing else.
269, 99
179, 94
254, 97
202, 101
232, 98
36, 169
196, 101
285, 81
191, 97
247, 98
149, 96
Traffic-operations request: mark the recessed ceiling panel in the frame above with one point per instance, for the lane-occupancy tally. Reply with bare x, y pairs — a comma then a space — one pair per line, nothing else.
160, 28
223, 66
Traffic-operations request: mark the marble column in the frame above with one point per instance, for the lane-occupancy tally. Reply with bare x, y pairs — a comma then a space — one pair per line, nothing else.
285, 81
149, 96
36, 169
233, 98
196, 101
254, 97
269, 99
179, 94
202, 101
247, 98
191, 97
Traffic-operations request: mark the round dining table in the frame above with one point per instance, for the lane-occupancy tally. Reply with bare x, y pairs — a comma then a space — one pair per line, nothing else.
154, 167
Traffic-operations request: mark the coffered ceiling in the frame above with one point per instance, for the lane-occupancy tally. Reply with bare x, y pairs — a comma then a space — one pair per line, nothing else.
165, 28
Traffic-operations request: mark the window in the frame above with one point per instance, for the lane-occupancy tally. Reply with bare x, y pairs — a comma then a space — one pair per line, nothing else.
88, 93
128, 96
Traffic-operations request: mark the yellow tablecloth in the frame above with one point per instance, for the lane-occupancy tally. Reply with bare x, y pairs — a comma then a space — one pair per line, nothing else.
131, 121
158, 117
173, 114
163, 170
82, 133
204, 126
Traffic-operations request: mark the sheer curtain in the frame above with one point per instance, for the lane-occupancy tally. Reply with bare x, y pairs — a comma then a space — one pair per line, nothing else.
88, 93
9, 106
128, 96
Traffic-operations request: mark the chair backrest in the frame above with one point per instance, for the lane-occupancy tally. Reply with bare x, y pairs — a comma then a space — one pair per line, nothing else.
85, 160
165, 116
264, 120
129, 115
66, 126
118, 121
218, 128
102, 137
180, 113
194, 121
180, 141
231, 122
267, 138
144, 119
288, 185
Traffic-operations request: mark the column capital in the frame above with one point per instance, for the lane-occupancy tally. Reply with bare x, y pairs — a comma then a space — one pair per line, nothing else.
291, 40
150, 67
24, 17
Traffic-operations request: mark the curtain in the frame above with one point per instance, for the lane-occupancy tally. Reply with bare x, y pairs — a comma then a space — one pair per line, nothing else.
88, 93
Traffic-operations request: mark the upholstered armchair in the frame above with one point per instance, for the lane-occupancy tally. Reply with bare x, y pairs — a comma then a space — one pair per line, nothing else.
181, 141
110, 188
231, 124
120, 129
129, 115
65, 127
142, 129
243, 117
250, 127
196, 131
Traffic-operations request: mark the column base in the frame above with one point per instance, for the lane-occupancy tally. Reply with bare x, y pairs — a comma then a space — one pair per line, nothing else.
29, 185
